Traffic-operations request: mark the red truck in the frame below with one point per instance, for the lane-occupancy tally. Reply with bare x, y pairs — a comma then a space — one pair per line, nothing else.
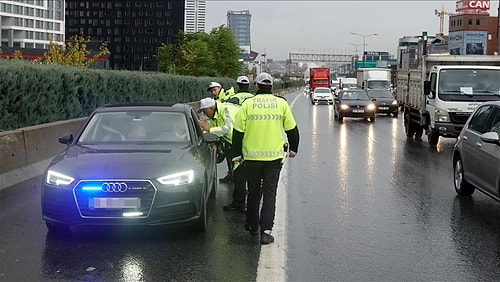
319, 77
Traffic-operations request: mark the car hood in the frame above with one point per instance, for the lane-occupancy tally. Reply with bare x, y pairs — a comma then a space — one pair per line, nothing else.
125, 163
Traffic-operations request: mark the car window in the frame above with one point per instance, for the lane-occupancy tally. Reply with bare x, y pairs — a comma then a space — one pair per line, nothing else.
494, 124
380, 94
322, 90
133, 126
355, 95
477, 122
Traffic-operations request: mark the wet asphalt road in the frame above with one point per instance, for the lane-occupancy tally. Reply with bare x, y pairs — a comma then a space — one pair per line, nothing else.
363, 204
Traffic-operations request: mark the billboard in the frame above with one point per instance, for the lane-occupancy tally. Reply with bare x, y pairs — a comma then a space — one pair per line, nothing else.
468, 42
471, 6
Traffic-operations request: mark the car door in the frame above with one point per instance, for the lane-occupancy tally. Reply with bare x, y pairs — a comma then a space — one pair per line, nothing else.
480, 166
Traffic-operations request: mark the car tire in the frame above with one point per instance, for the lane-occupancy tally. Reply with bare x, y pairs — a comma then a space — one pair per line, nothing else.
433, 137
462, 187
395, 114
340, 117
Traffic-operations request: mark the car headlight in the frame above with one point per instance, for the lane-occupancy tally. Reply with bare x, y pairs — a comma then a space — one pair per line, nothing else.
177, 179
344, 107
58, 179
395, 102
370, 107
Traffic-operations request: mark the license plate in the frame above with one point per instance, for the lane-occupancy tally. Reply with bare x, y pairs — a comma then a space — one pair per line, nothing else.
114, 203
383, 108
358, 111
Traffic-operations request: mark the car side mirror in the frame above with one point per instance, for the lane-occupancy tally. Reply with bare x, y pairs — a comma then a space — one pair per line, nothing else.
491, 137
210, 138
66, 139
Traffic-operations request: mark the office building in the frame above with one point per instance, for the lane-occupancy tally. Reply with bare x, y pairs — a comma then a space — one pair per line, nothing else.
133, 30
195, 17
31, 23
239, 24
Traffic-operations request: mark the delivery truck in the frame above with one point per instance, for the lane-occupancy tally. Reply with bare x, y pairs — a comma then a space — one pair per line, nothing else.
441, 91
319, 77
374, 78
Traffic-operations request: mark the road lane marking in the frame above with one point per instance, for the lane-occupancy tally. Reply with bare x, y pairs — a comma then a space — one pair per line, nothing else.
272, 259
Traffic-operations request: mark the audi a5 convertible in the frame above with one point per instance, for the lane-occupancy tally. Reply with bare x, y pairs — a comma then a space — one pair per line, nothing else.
132, 164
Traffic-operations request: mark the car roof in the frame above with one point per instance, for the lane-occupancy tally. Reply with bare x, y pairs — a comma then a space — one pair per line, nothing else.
134, 106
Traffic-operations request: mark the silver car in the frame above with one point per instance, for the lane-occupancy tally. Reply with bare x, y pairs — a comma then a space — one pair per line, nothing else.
476, 156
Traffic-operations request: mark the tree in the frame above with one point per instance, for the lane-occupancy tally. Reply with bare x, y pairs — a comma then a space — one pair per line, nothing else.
225, 51
201, 54
74, 53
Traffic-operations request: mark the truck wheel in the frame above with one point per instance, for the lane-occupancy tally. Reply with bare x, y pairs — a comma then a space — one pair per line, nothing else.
433, 137
409, 127
419, 131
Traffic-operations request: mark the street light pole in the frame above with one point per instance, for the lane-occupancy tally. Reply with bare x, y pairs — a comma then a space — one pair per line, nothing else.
364, 42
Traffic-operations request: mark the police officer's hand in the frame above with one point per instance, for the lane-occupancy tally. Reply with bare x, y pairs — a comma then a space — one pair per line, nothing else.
292, 154
237, 159
204, 125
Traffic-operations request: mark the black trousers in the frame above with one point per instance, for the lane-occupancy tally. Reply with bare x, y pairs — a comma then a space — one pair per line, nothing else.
240, 185
262, 178
229, 158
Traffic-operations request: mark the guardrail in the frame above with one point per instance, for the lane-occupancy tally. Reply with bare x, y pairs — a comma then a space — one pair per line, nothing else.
26, 152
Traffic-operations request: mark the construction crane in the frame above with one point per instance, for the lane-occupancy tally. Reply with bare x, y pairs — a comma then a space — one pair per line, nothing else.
441, 15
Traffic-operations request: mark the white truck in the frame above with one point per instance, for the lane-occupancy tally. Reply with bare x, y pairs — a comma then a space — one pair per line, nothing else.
374, 78
439, 95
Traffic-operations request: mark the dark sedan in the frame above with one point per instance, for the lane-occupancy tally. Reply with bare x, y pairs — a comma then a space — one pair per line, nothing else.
132, 164
384, 100
354, 103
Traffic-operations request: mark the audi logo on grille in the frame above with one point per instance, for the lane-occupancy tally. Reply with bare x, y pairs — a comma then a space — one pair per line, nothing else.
114, 187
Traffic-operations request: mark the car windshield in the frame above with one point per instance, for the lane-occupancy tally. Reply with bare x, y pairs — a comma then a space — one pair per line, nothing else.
322, 90
380, 93
135, 126
355, 95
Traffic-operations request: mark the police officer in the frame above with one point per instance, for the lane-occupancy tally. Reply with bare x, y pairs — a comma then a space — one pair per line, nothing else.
219, 93
258, 145
220, 122
242, 92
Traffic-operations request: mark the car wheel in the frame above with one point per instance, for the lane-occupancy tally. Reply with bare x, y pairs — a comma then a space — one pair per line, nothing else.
372, 119
433, 137
395, 114
462, 187
340, 117
57, 228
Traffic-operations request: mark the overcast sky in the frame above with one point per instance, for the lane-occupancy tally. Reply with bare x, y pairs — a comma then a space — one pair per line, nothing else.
281, 27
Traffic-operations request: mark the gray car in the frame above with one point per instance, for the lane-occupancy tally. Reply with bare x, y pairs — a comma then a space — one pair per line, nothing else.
476, 156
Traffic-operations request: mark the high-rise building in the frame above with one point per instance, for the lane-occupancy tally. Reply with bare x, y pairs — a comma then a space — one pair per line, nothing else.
133, 30
195, 16
31, 24
239, 24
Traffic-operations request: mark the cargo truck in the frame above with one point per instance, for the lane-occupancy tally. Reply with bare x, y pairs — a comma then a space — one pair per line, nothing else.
319, 77
442, 91
374, 78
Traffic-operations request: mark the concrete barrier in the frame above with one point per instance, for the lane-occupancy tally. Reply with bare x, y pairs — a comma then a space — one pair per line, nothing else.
25, 153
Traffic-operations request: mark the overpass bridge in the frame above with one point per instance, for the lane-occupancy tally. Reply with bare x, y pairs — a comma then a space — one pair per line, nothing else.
343, 63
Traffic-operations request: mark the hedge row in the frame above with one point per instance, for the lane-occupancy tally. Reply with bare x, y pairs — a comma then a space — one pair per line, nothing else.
33, 94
